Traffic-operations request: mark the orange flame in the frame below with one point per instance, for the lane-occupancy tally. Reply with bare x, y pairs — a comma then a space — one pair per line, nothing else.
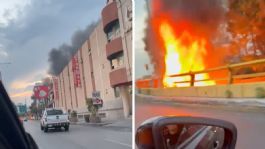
184, 53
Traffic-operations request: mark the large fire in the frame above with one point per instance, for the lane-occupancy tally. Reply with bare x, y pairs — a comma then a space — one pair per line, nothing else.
184, 53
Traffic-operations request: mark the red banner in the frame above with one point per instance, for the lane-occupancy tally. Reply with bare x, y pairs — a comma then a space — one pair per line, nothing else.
41, 92
55, 88
76, 71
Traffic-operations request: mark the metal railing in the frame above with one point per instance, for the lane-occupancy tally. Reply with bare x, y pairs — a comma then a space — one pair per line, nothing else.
230, 76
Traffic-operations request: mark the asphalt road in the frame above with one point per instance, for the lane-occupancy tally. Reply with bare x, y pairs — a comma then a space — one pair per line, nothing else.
250, 124
79, 137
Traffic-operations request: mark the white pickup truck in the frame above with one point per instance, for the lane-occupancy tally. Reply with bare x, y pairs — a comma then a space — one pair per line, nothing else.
54, 118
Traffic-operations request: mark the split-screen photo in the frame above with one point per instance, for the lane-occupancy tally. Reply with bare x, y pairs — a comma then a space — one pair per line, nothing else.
140, 74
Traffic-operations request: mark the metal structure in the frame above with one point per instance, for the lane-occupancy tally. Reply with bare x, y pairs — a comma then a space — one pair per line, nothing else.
230, 76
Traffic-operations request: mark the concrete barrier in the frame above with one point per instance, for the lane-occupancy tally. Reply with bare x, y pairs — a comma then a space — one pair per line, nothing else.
247, 90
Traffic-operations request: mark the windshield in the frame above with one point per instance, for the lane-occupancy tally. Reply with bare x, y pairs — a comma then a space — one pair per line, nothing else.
54, 112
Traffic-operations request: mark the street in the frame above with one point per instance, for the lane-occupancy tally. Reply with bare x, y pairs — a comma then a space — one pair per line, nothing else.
250, 125
79, 137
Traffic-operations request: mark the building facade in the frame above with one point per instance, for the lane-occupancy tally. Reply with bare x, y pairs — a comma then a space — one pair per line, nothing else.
101, 65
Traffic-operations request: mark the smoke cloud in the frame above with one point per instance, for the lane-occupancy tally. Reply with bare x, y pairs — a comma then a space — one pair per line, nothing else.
59, 57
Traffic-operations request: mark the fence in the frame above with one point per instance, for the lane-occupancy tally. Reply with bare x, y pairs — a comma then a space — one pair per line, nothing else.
228, 78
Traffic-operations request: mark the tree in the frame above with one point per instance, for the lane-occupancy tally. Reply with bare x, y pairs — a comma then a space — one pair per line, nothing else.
93, 109
246, 21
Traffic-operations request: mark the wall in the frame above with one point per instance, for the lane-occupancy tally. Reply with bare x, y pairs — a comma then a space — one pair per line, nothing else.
71, 97
102, 68
247, 90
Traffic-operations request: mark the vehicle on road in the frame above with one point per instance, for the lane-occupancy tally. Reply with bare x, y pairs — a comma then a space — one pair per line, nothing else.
172, 132
54, 118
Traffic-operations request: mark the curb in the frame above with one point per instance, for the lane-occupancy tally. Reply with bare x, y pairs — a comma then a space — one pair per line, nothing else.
89, 124
104, 125
246, 102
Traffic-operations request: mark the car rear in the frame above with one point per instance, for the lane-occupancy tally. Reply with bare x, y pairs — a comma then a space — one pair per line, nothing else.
55, 118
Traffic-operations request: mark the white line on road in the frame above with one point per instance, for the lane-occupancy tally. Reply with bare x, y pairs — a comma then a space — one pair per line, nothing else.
120, 143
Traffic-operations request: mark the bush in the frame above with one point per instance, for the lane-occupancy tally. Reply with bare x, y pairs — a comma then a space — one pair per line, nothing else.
228, 94
93, 109
260, 92
73, 113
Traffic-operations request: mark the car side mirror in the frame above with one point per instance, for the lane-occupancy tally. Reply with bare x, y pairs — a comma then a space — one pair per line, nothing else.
185, 132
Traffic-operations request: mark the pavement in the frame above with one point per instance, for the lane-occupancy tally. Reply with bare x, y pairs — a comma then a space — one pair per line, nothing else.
121, 125
249, 123
81, 137
254, 103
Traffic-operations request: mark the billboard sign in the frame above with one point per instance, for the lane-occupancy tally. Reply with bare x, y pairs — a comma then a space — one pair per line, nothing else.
41, 92
96, 98
96, 94
76, 71
97, 101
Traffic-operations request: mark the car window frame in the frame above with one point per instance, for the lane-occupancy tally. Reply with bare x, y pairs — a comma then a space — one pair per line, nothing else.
11, 116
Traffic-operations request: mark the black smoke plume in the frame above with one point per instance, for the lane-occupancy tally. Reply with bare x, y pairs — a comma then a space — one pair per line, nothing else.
59, 57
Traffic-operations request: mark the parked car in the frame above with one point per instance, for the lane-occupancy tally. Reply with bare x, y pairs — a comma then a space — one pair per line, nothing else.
54, 118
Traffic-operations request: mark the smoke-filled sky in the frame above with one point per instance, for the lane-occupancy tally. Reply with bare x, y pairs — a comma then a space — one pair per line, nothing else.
30, 29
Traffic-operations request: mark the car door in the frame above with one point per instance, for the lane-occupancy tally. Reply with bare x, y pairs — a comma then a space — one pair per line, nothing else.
12, 133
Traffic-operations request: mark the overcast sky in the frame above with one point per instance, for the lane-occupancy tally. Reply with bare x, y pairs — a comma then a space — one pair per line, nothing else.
141, 57
29, 29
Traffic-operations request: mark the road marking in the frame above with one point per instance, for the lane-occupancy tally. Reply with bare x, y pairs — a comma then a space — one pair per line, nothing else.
120, 143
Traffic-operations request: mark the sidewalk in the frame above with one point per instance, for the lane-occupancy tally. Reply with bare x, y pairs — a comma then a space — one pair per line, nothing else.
123, 125
240, 102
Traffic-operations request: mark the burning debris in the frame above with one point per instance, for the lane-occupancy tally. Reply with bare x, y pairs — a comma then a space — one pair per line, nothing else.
59, 57
179, 39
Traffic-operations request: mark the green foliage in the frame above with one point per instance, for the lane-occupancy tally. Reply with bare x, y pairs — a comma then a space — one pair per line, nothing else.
246, 21
73, 113
260, 92
91, 108
228, 94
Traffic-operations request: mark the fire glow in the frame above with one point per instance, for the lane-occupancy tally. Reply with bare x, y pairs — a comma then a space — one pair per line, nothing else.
184, 53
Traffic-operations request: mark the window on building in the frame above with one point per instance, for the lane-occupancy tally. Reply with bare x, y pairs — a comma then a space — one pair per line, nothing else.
117, 61
116, 91
129, 13
114, 31
89, 51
